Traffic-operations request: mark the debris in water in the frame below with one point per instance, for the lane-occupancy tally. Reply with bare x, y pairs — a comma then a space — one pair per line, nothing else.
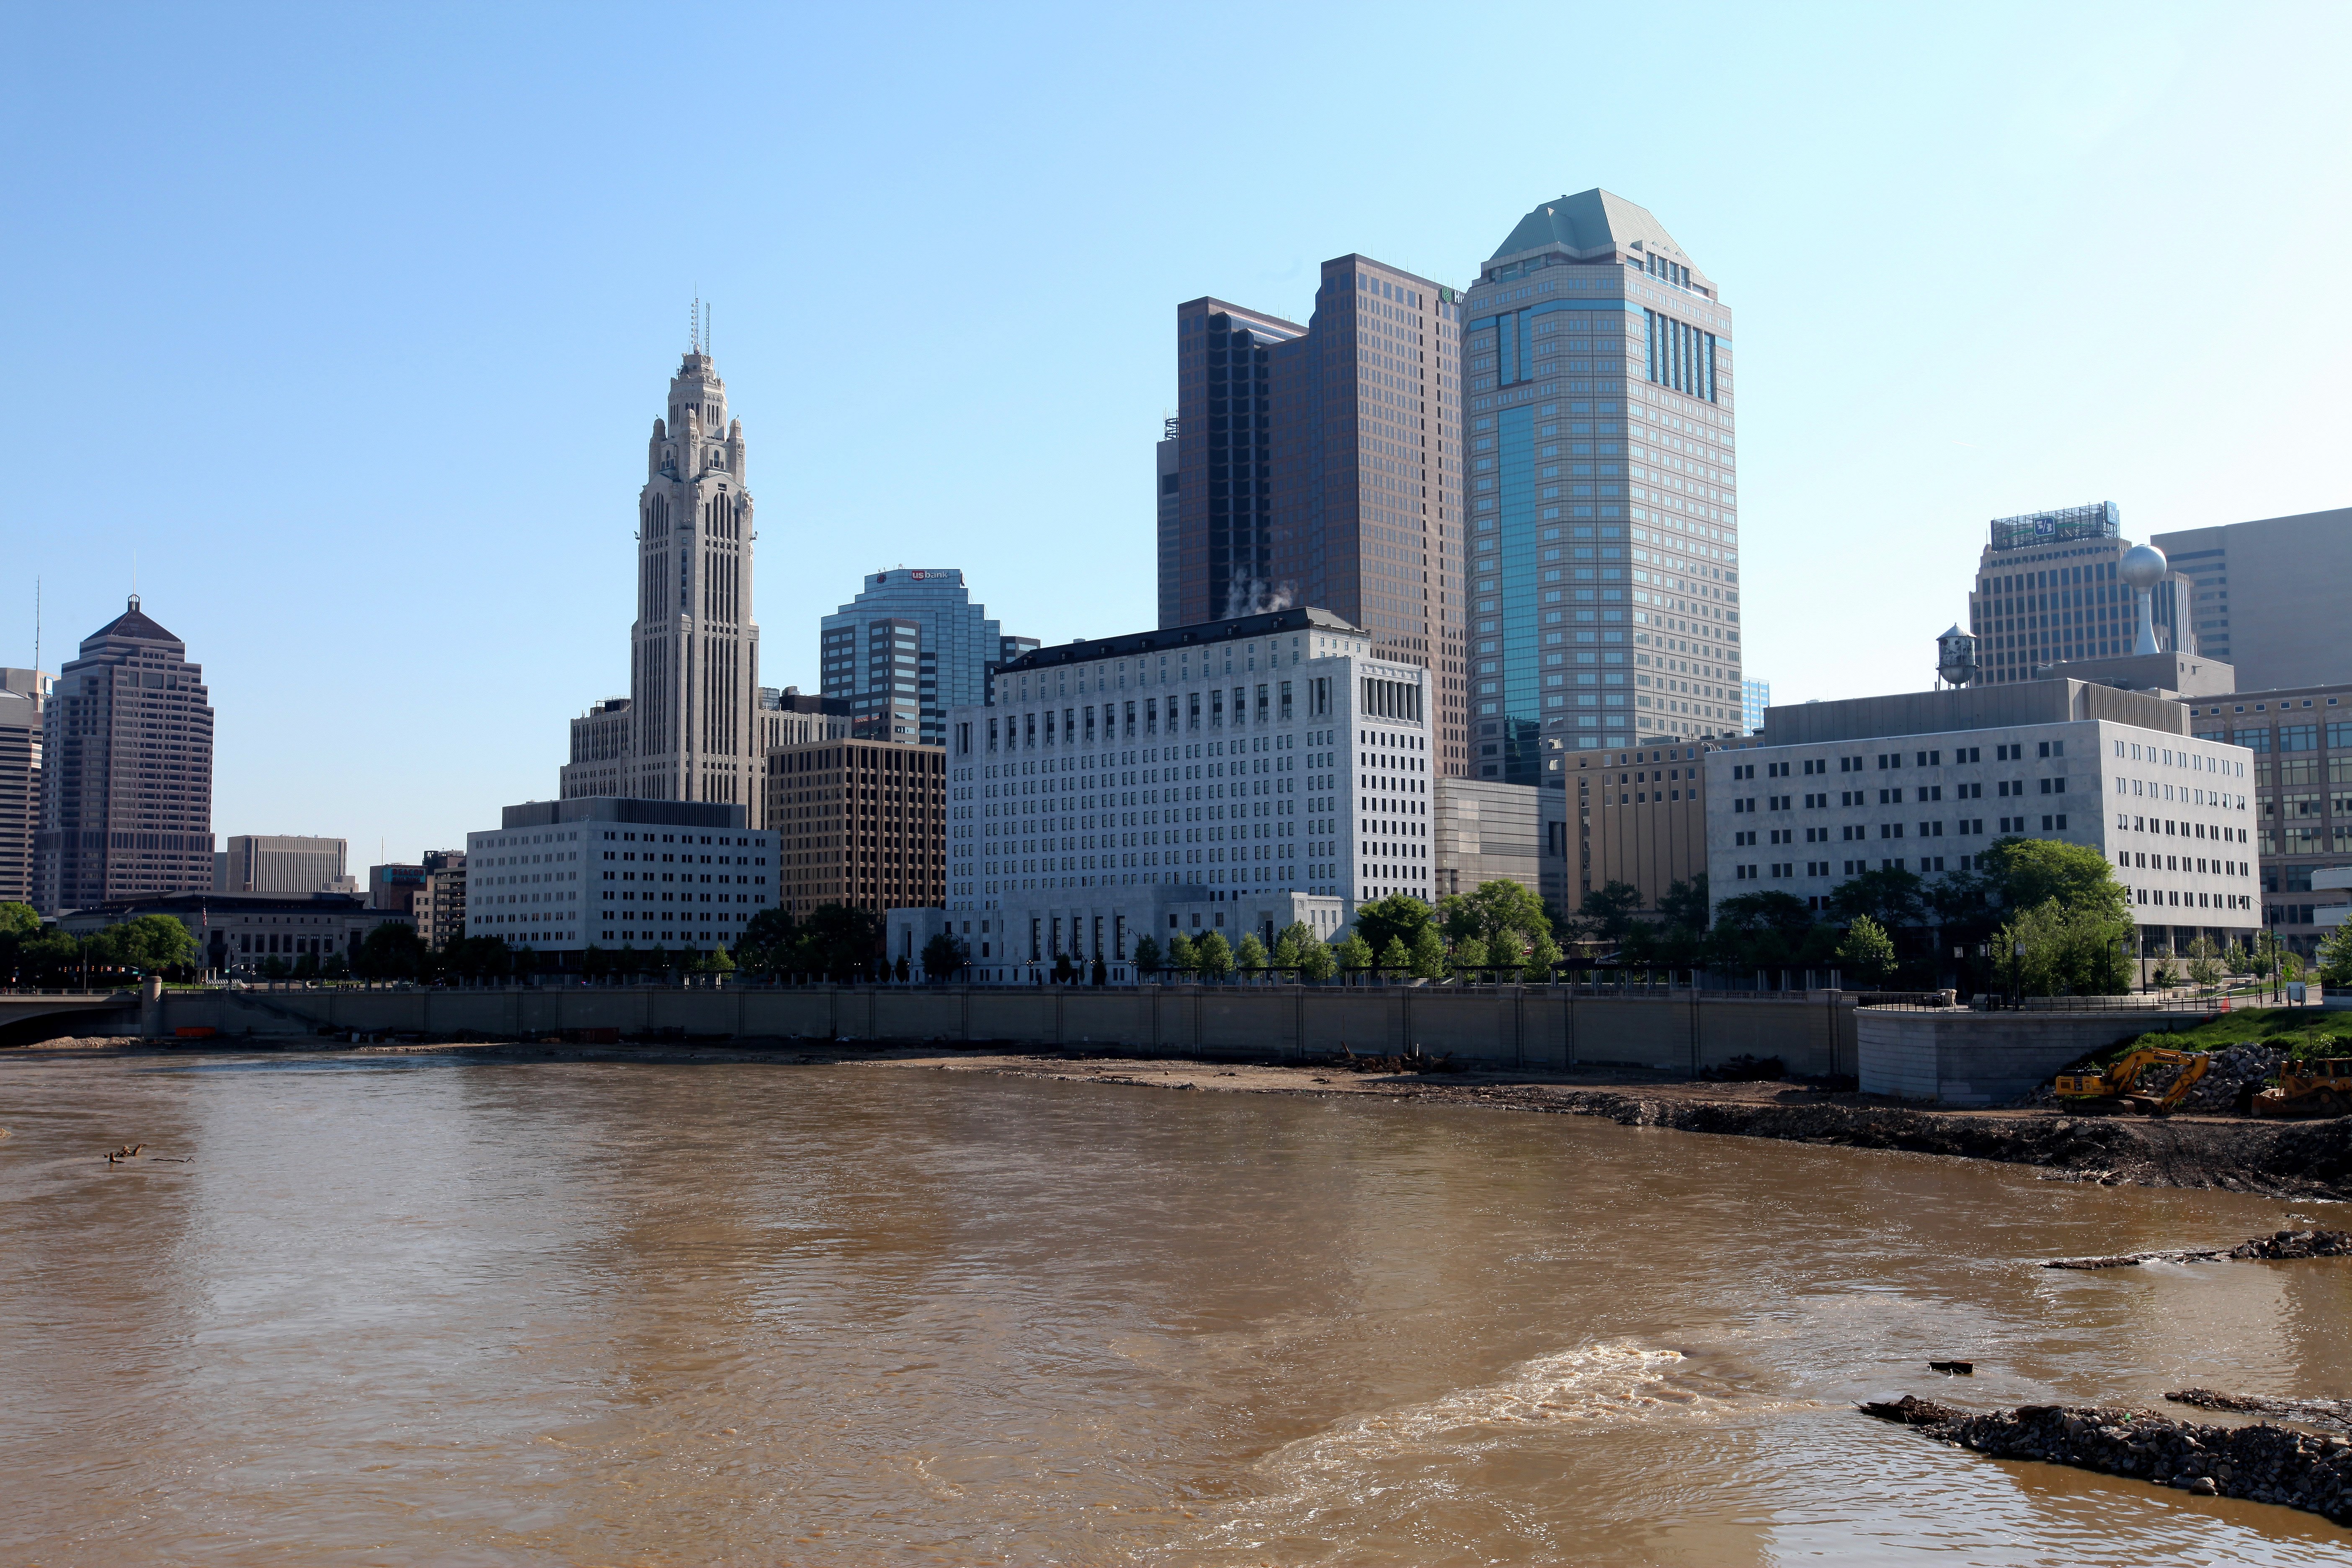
1957, 1368
2265, 1464
2334, 1413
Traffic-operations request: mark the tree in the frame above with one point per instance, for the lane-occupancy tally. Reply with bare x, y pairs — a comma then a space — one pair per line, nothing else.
1759, 930
1290, 945
1400, 917
770, 944
1890, 899
902, 971
944, 957
1250, 956
18, 920
336, 966
1099, 974
1609, 909
1470, 955
1395, 956
1315, 959
391, 951
840, 942
1181, 957
1543, 958
2334, 956
1685, 903
1063, 970
723, 962
1867, 952
1353, 951
1147, 956
2204, 963
2027, 872
2050, 950
1428, 955
48, 954
480, 955
146, 945
2164, 976
1212, 956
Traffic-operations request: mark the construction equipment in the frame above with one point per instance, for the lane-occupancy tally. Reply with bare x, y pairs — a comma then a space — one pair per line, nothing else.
2310, 1087
2121, 1079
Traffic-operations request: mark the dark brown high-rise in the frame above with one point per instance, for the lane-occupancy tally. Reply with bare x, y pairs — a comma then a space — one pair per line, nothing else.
127, 780
862, 823
1322, 465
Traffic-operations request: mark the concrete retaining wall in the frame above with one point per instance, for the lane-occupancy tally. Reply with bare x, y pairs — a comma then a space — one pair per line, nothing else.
1533, 1026
1955, 1056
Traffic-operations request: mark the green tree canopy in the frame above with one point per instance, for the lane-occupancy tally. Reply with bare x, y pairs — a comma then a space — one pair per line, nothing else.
391, 952
1147, 956
1868, 953
1470, 952
1250, 956
1543, 957
18, 920
840, 942
1685, 904
1891, 898
1213, 955
1427, 956
944, 957
1609, 909
1398, 918
1395, 956
2334, 956
149, 944
2051, 950
1352, 950
1181, 956
2028, 872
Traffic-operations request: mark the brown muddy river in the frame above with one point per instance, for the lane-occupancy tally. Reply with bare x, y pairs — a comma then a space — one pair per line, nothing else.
408, 1310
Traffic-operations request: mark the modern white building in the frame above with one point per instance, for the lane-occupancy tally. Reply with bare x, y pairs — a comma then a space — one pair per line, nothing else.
1924, 782
563, 876
1244, 773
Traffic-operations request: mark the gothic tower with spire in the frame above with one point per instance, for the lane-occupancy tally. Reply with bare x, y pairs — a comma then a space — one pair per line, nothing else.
694, 654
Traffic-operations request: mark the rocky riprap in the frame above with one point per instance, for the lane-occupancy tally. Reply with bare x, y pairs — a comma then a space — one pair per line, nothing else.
2261, 1464
2276, 1247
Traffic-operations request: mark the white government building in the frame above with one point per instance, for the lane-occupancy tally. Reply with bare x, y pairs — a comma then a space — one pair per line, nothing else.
1924, 781
563, 876
1238, 775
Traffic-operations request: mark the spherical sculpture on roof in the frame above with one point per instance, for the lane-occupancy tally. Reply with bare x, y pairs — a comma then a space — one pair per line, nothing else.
2143, 566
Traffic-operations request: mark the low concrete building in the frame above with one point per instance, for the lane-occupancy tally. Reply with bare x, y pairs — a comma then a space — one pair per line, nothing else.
281, 863
558, 877
1486, 831
1924, 781
238, 934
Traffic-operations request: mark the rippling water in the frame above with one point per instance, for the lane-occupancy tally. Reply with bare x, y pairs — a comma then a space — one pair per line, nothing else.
414, 1310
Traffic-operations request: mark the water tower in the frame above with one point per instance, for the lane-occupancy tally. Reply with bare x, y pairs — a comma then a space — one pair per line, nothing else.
2143, 566
1956, 657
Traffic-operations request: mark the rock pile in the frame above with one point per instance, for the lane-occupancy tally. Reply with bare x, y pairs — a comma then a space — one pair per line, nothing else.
2335, 1412
2262, 1464
2296, 1244
2231, 1070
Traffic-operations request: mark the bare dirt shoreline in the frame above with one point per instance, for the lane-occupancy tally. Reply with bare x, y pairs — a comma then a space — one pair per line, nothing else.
2309, 1160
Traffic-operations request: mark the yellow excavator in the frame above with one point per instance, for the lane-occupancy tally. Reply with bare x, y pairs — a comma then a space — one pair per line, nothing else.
2120, 1078
2309, 1087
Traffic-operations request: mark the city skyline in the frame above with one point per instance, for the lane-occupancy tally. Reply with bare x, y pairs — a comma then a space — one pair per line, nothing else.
376, 527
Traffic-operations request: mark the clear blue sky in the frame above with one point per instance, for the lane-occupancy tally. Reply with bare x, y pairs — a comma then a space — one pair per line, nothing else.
348, 324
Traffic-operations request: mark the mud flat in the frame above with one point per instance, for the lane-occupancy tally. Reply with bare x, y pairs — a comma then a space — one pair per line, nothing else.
2307, 1159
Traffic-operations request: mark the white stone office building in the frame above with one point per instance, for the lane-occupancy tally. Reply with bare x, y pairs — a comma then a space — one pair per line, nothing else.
1924, 782
1240, 774
561, 876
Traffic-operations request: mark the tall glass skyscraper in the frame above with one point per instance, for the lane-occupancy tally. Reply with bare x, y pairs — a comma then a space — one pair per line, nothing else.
910, 647
1604, 528
1322, 465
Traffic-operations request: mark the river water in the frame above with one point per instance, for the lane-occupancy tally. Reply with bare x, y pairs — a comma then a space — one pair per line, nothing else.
411, 1310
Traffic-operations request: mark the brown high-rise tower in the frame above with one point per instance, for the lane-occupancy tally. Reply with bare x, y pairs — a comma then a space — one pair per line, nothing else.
127, 771
1322, 465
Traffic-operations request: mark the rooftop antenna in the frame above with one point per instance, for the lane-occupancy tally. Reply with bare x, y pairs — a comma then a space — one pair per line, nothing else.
37, 631
694, 324
705, 328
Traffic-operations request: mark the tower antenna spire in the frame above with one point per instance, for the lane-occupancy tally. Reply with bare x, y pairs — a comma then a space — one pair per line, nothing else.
694, 324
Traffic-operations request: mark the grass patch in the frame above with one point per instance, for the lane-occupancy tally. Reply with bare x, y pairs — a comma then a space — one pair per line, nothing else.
2304, 1031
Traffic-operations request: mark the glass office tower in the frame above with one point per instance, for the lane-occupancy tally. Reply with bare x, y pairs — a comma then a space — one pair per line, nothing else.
911, 646
1604, 527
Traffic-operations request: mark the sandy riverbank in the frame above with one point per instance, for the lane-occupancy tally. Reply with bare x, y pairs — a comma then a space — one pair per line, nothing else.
2282, 1159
